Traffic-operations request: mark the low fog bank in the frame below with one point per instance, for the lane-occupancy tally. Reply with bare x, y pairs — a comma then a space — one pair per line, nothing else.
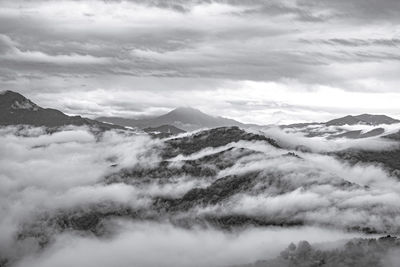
359, 252
154, 244
73, 197
45, 172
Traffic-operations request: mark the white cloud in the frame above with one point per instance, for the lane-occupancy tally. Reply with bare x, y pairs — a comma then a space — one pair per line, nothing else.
46, 174
151, 245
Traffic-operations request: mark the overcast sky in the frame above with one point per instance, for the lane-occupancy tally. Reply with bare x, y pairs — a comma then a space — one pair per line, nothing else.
257, 61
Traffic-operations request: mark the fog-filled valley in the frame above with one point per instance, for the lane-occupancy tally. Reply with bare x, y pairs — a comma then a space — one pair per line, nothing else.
225, 196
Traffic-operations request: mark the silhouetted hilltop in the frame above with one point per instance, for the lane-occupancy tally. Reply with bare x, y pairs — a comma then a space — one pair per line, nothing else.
15, 109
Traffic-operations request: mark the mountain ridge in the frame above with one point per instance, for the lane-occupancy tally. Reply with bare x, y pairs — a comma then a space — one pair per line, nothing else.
16, 109
185, 118
333, 129
369, 119
163, 131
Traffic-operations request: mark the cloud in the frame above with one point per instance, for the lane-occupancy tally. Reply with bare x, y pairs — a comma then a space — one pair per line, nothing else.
185, 36
358, 42
100, 45
46, 172
6, 44
357, 9
294, 139
312, 189
63, 174
135, 243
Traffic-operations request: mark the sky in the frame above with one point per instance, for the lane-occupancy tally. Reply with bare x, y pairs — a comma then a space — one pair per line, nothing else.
271, 61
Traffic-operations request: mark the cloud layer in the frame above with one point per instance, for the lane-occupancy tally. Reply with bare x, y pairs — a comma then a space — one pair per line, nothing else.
140, 48
75, 193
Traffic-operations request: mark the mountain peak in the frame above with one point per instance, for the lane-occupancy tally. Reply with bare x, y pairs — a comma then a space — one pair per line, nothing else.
186, 118
4, 92
367, 117
187, 110
15, 109
7, 94
187, 115
10, 100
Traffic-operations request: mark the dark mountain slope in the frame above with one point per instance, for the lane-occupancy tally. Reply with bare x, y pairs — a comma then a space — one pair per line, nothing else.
368, 119
163, 131
389, 158
357, 252
358, 134
206, 166
15, 109
393, 136
211, 138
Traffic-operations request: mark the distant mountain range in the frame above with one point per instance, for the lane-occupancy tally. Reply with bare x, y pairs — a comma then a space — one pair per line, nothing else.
185, 118
339, 127
363, 119
16, 109
367, 119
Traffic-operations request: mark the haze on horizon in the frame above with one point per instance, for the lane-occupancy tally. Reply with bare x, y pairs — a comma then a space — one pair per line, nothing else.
253, 61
